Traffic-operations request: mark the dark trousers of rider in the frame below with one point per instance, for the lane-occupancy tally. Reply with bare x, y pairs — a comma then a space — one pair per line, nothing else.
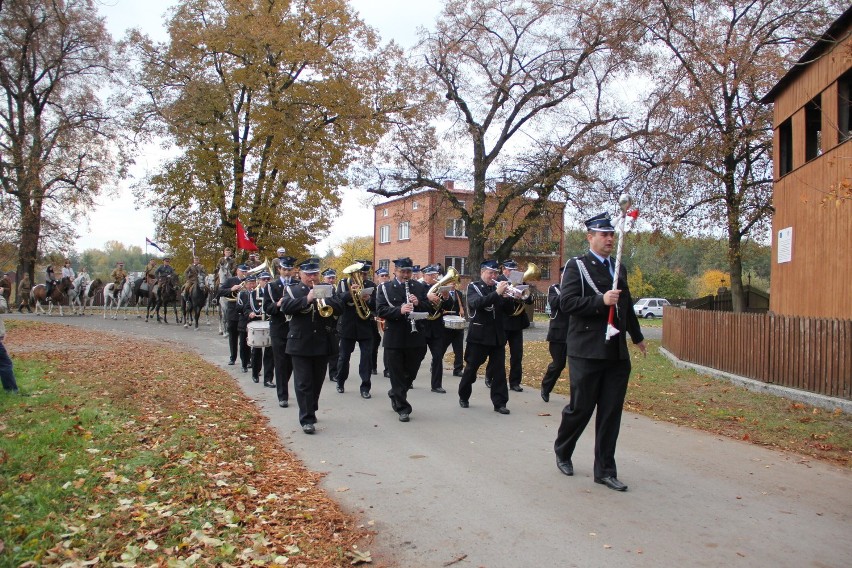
245, 350
474, 357
455, 337
308, 378
403, 365
283, 366
263, 357
231, 328
559, 358
347, 346
332, 358
515, 341
436, 369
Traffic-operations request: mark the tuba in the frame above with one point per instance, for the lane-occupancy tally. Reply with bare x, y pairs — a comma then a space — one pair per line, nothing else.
253, 272
451, 276
356, 278
532, 274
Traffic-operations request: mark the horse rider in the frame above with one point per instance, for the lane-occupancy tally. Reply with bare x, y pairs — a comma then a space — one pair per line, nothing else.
165, 270
329, 276
193, 274
227, 261
253, 261
151, 272
119, 275
50, 280
67, 271
24, 288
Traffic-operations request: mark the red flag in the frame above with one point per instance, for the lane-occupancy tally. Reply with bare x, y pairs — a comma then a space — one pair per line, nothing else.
243, 240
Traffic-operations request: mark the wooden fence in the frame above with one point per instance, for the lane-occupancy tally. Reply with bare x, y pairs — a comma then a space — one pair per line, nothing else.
810, 354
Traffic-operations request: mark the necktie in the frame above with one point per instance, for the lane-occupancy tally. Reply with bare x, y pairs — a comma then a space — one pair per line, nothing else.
606, 265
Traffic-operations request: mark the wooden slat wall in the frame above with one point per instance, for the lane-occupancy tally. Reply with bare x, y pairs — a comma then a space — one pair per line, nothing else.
810, 354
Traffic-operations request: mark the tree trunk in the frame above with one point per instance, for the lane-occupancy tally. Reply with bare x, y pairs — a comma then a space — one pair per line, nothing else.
30, 234
735, 261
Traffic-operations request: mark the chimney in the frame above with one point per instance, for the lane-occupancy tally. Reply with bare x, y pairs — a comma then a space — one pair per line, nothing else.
449, 185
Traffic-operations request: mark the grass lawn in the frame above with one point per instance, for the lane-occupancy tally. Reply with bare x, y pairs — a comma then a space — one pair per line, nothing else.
662, 391
148, 456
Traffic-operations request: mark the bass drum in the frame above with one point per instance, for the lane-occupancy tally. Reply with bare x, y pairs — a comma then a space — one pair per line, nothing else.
454, 322
257, 334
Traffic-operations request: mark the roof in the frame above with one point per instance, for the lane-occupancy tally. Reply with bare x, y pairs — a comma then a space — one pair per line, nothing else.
835, 32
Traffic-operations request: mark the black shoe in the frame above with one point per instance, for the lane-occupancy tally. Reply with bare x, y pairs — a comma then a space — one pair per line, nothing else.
366, 394
374, 372
245, 369
502, 410
339, 388
255, 379
439, 389
487, 382
386, 373
464, 403
333, 379
308, 428
565, 466
611, 482
457, 373
516, 388
403, 417
269, 385
545, 396
283, 403
231, 362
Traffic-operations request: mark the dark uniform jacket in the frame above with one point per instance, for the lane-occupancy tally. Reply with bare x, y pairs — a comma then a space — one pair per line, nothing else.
487, 314
166, 270
512, 322
350, 326
278, 324
244, 301
256, 303
224, 295
558, 329
435, 327
389, 300
310, 335
589, 314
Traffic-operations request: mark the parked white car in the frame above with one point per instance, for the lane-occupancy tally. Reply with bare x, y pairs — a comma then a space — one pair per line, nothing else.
650, 307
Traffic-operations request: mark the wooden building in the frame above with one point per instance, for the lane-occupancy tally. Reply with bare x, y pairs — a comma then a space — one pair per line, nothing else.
424, 226
812, 154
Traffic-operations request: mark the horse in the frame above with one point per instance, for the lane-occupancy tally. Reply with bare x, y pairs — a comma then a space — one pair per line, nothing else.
123, 299
92, 291
164, 292
141, 289
222, 275
58, 296
78, 289
192, 306
6, 284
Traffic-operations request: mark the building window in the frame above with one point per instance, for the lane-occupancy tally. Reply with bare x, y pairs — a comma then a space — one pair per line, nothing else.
384, 234
455, 228
545, 269
844, 107
785, 148
813, 128
415, 205
385, 263
384, 212
457, 262
403, 231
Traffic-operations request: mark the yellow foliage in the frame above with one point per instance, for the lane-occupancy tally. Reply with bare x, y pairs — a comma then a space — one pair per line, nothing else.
710, 282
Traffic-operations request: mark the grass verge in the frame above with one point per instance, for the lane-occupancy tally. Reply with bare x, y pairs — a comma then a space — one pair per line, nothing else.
116, 457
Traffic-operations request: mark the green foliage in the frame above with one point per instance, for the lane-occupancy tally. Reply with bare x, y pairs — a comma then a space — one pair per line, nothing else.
669, 283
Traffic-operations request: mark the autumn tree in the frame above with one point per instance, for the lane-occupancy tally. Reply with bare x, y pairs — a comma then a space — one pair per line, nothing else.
347, 252
57, 141
267, 104
529, 111
709, 166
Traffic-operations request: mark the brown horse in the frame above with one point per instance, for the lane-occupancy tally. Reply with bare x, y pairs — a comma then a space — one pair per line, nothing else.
6, 284
58, 296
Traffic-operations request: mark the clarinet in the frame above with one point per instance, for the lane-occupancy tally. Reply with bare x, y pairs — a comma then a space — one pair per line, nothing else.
413, 324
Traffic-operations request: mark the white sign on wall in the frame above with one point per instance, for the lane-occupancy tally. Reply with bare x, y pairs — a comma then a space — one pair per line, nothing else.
785, 245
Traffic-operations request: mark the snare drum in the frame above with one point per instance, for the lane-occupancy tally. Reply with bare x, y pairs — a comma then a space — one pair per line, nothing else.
454, 322
257, 333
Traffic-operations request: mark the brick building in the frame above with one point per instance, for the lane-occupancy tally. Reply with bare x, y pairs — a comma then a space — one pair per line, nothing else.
424, 226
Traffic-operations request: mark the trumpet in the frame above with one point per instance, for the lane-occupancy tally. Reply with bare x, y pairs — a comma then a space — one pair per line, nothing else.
520, 295
451, 276
323, 309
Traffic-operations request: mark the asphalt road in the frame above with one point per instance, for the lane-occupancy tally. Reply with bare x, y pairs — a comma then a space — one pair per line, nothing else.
473, 488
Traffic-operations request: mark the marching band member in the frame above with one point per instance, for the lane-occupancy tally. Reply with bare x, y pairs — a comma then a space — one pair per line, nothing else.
227, 290
557, 341
351, 329
486, 338
279, 327
598, 369
514, 325
404, 343
243, 303
255, 311
382, 276
329, 276
309, 339
455, 337
433, 328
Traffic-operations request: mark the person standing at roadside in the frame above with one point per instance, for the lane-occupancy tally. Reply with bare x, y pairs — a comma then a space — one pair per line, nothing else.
598, 368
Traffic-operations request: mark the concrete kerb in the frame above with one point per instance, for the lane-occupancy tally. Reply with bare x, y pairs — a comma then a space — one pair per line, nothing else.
810, 398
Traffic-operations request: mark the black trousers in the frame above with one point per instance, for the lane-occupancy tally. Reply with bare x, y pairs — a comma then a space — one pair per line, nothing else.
245, 350
308, 378
474, 356
332, 358
347, 346
436, 369
377, 341
402, 365
455, 337
515, 341
283, 366
263, 356
558, 359
600, 383
233, 336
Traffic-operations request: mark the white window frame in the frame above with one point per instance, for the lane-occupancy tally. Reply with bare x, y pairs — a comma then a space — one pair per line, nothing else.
415, 205
404, 231
384, 234
384, 263
384, 212
461, 265
455, 233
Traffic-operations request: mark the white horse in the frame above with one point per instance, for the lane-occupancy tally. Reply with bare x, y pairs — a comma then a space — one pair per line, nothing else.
113, 303
78, 289
222, 303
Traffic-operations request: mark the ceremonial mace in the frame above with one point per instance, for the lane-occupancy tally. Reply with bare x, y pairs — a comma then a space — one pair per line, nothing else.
622, 226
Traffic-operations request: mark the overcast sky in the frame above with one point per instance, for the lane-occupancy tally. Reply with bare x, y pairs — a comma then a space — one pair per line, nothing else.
116, 217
